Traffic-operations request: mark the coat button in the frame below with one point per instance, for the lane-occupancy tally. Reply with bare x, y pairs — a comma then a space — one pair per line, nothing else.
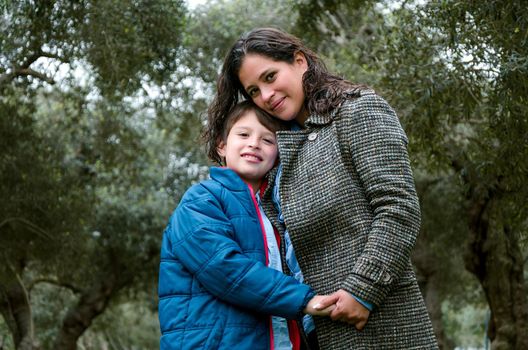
386, 278
312, 136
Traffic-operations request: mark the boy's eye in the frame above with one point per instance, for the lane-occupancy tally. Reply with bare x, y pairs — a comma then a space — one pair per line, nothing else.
243, 134
269, 141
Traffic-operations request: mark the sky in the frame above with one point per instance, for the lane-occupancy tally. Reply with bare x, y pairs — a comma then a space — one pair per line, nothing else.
193, 3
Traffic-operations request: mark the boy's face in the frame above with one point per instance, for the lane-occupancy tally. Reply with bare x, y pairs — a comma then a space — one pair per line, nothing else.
250, 149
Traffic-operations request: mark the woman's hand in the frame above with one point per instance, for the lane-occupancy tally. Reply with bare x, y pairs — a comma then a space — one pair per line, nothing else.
314, 307
346, 308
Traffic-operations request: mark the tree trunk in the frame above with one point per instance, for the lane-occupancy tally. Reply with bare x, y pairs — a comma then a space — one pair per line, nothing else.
91, 304
495, 257
433, 302
16, 310
426, 264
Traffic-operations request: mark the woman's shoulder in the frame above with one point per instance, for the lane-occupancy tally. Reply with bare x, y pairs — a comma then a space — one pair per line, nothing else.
366, 113
360, 97
361, 104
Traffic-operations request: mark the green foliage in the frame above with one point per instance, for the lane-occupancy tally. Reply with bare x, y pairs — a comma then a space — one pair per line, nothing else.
466, 323
345, 34
49, 305
214, 28
83, 161
125, 325
124, 43
446, 234
461, 64
133, 40
29, 217
6, 341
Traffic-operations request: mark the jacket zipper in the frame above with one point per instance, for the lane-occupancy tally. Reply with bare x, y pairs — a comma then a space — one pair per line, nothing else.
263, 231
286, 270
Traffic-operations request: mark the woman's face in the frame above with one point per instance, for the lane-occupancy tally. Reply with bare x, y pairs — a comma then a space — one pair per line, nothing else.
275, 86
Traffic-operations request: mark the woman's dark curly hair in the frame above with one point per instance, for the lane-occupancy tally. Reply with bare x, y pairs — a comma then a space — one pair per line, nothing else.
323, 91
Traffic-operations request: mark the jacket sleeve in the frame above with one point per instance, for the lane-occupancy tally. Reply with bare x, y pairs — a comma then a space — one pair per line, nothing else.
201, 237
378, 149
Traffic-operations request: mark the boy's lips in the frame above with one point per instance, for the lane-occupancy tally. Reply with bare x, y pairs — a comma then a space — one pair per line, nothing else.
251, 156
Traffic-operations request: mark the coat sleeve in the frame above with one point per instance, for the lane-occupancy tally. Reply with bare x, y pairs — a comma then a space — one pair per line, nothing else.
202, 240
378, 149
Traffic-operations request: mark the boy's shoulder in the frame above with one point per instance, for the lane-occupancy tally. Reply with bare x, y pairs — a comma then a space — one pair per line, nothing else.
201, 190
220, 180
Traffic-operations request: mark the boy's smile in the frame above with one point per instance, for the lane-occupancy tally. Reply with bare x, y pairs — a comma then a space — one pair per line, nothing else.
250, 149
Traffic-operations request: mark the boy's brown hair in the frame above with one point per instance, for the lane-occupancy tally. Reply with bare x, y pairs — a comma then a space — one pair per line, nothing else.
214, 133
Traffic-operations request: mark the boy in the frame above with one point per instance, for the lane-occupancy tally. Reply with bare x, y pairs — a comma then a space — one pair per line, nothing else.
220, 272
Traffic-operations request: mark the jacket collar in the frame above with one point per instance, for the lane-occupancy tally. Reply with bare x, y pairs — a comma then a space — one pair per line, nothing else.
233, 182
228, 178
320, 119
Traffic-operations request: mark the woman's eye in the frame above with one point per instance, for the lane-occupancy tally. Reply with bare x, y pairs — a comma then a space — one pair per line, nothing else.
252, 92
270, 77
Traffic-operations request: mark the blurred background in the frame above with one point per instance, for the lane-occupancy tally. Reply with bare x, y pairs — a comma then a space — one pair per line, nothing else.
101, 108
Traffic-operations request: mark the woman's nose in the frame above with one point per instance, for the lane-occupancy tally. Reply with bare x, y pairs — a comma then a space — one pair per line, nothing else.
267, 92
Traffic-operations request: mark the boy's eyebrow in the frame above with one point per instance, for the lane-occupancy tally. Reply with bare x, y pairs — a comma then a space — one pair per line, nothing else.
242, 127
272, 134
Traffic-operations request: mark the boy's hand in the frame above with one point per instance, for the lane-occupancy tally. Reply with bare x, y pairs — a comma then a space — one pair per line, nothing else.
315, 308
347, 309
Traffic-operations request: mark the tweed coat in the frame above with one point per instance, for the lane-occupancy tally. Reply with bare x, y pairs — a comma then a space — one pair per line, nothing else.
350, 205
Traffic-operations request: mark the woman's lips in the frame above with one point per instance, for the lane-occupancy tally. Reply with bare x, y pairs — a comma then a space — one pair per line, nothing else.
277, 104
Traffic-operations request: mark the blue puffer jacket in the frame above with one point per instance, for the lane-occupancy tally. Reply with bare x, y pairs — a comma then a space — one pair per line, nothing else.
215, 291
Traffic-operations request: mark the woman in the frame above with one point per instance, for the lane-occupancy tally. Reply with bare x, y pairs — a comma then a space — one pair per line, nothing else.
346, 188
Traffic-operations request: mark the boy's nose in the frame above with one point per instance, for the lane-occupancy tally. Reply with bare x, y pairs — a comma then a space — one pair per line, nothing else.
254, 142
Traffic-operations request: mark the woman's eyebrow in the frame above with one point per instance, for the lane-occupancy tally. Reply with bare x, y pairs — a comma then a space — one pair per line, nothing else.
264, 73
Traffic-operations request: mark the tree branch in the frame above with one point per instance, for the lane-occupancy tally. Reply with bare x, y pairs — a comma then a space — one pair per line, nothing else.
20, 72
91, 304
54, 282
33, 73
113, 277
30, 60
54, 56
31, 226
24, 70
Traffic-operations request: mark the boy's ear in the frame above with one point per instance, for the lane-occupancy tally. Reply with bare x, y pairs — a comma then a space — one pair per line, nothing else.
221, 149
